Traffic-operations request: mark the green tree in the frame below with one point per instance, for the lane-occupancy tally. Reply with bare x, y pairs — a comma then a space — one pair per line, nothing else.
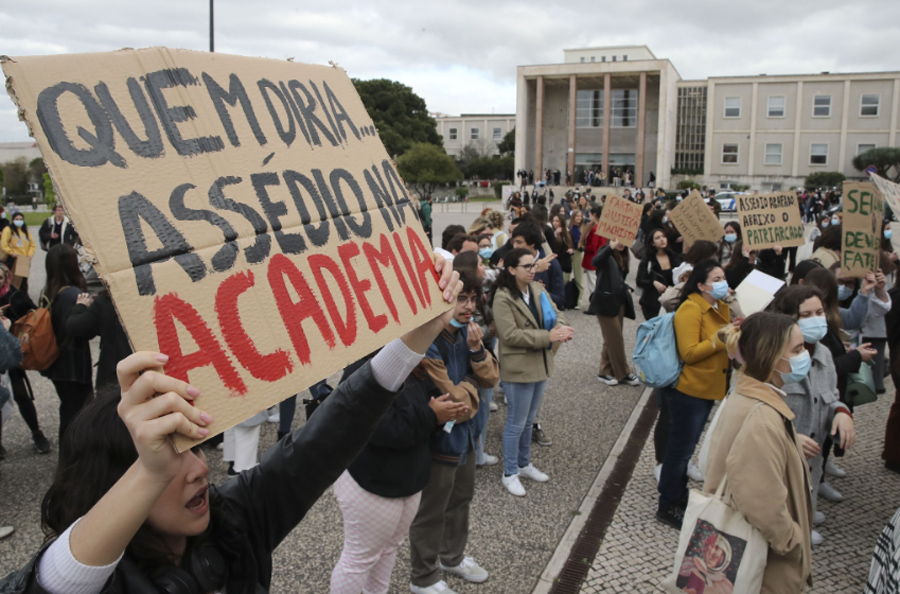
688, 184
885, 159
36, 170
426, 166
507, 146
400, 115
824, 179
49, 194
15, 177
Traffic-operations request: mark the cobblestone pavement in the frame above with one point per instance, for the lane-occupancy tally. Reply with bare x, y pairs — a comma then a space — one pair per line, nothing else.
638, 552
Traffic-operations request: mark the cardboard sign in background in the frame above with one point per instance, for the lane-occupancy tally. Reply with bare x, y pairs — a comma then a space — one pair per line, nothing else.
890, 191
619, 220
695, 221
861, 228
768, 220
243, 211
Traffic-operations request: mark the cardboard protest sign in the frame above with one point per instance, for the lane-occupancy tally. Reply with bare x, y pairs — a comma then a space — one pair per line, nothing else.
620, 220
890, 191
243, 212
770, 219
695, 221
861, 229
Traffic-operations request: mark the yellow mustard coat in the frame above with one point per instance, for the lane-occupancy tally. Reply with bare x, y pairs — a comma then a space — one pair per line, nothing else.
705, 371
16, 244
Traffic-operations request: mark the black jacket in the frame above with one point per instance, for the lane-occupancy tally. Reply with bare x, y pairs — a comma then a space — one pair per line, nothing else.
845, 362
263, 504
100, 319
69, 236
397, 460
736, 274
74, 361
611, 291
649, 271
769, 262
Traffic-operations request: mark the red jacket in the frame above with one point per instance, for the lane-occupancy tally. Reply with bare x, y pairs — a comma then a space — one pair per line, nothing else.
592, 244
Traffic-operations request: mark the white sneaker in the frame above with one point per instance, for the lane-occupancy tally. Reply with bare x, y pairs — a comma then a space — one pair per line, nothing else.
439, 588
834, 470
816, 538
468, 570
274, 415
818, 518
533, 473
493, 406
657, 471
489, 460
220, 446
6, 531
513, 485
693, 471
829, 492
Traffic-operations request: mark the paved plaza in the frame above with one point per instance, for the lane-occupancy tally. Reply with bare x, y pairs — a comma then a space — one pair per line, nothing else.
522, 542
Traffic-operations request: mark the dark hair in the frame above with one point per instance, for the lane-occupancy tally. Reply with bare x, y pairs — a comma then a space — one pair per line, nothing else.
470, 281
831, 238
788, 300
701, 250
62, 270
698, 275
652, 238
564, 235
597, 211
456, 244
737, 228
504, 279
657, 216
802, 269
466, 261
825, 281
737, 255
530, 233
13, 228
449, 233
646, 209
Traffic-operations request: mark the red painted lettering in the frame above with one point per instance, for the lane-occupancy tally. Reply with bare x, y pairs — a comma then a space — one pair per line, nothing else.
347, 252
269, 368
387, 259
346, 326
423, 262
409, 267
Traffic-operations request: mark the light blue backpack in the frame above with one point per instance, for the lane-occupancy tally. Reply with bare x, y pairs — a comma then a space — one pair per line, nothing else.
656, 360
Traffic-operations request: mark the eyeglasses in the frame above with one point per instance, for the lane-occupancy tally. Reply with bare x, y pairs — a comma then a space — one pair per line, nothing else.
528, 267
466, 299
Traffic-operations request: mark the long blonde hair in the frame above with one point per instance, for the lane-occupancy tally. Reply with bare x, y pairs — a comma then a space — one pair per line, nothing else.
758, 343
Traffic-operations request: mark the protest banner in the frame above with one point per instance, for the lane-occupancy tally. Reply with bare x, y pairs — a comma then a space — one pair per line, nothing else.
243, 213
861, 229
620, 220
890, 192
695, 221
770, 219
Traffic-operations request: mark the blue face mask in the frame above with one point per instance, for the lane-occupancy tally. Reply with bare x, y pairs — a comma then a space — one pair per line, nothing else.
719, 291
844, 292
825, 224
18, 222
835, 221
486, 252
731, 237
814, 329
457, 324
888, 233
800, 365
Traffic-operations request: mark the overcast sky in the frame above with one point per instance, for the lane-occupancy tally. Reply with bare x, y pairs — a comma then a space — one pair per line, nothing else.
461, 55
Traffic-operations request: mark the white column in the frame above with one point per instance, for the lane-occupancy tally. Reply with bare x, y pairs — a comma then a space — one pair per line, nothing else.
845, 119
754, 100
895, 112
521, 121
795, 159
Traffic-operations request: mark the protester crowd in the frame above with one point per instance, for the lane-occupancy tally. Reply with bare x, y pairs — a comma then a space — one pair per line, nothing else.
417, 411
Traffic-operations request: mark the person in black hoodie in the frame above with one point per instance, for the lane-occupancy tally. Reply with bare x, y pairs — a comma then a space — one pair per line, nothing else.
96, 316
379, 493
612, 303
654, 273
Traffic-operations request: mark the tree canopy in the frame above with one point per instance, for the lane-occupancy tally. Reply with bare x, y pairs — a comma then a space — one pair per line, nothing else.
885, 159
823, 179
400, 115
426, 166
507, 146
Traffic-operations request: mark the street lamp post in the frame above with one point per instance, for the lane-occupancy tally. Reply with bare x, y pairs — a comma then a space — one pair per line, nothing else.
212, 34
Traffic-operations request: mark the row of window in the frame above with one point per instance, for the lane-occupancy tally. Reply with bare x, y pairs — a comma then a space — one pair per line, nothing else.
623, 109
474, 134
603, 58
868, 106
818, 153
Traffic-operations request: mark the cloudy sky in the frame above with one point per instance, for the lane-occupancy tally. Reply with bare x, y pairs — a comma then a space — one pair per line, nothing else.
461, 55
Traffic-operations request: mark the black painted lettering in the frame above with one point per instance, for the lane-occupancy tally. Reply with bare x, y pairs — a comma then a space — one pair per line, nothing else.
401, 197
171, 116
101, 142
290, 243
134, 207
363, 227
235, 93
318, 234
336, 215
382, 198
288, 130
227, 254
340, 114
337, 136
153, 146
299, 118
307, 105
259, 251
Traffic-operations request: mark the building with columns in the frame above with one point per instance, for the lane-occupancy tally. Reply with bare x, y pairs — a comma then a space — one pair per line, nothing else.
480, 131
768, 132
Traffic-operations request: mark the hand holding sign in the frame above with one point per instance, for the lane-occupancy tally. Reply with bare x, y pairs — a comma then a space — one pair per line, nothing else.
861, 228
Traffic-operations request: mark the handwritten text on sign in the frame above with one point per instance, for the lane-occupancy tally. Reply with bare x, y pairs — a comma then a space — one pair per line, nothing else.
695, 221
620, 220
770, 219
243, 212
861, 229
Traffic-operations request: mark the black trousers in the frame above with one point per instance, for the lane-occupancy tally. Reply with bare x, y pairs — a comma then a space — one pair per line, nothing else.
72, 397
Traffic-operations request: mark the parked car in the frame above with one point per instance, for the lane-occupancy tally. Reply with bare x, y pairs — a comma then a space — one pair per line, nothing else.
726, 200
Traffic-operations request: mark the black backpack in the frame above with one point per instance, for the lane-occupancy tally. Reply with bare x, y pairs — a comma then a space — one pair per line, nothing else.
572, 294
